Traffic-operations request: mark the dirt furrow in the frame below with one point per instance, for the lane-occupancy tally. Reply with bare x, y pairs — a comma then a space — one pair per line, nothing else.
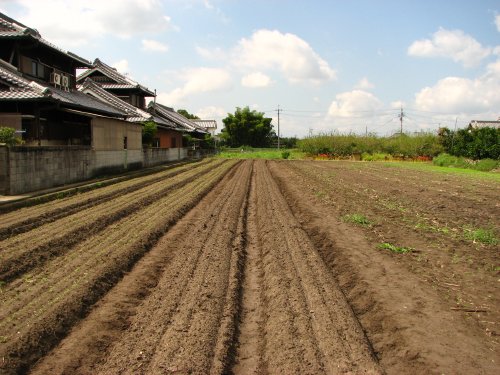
28, 218
410, 326
36, 314
26, 251
308, 327
185, 324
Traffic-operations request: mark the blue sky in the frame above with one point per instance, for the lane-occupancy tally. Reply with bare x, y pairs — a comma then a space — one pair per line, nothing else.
329, 65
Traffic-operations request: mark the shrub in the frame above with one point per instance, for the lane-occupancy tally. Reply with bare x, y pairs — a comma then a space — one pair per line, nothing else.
8, 136
285, 154
148, 132
344, 145
446, 160
473, 143
486, 165
375, 157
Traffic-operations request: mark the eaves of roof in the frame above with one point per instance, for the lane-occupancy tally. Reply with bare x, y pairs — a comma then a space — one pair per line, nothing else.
134, 114
178, 119
121, 80
23, 89
12, 29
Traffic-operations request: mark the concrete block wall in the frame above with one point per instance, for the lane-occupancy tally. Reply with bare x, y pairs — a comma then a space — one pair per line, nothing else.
156, 156
37, 168
26, 169
4, 170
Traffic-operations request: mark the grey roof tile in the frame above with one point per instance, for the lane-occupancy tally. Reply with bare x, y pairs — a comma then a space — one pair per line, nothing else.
170, 114
21, 88
121, 81
10, 28
134, 114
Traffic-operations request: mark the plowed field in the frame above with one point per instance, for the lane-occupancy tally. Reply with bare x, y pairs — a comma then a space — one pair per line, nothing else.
253, 268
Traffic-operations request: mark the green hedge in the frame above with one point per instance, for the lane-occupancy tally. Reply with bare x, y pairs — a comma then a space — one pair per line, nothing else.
344, 145
472, 143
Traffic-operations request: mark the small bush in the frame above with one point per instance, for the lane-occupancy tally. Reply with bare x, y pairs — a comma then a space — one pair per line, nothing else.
285, 154
8, 136
375, 157
486, 165
446, 160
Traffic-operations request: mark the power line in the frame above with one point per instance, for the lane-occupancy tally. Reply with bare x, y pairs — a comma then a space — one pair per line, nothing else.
279, 126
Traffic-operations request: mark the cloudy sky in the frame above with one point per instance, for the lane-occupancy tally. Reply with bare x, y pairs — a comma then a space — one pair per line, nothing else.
329, 65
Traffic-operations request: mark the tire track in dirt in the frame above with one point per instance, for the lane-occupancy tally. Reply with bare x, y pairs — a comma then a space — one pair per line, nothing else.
308, 325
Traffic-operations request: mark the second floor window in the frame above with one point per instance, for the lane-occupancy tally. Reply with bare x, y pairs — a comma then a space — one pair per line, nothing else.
37, 69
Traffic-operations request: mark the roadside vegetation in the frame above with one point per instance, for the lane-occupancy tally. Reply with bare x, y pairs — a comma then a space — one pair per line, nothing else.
335, 145
247, 152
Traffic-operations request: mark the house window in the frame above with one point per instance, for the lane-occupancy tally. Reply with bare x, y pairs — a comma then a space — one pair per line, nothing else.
125, 143
37, 69
174, 142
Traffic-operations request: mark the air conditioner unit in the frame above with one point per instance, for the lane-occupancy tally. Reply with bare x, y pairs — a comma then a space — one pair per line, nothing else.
55, 78
65, 81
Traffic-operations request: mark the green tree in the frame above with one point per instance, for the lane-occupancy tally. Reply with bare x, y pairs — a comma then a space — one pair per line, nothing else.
473, 143
246, 127
187, 115
149, 130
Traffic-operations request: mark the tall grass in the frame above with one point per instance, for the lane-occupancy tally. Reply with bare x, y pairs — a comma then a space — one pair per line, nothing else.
344, 145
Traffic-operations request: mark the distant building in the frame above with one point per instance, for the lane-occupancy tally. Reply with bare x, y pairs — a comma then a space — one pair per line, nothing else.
209, 125
477, 124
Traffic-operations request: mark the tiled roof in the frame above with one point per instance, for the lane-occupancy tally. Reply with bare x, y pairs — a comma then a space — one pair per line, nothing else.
10, 28
485, 124
134, 114
207, 124
121, 81
170, 114
21, 89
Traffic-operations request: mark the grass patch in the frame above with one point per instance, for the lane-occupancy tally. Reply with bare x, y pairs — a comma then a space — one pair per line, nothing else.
433, 228
394, 248
358, 219
260, 153
428, 167
486, 236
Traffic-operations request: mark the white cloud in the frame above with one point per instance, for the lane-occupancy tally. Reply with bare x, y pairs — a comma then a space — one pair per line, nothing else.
497, 21
195, 81
216, 53
288, 53
256, 80
121, 66
78, 22
211, 112
353, 103
153, 46
454, 44
463, 95
364, 84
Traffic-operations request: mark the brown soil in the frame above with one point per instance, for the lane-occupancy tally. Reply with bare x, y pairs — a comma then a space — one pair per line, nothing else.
418, 309
263, 276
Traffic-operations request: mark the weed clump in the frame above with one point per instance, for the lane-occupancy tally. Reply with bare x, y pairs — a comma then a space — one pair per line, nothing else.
357, 219
394, 248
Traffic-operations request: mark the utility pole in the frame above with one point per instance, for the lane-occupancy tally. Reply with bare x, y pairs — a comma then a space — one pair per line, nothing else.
279, 126
401, 119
